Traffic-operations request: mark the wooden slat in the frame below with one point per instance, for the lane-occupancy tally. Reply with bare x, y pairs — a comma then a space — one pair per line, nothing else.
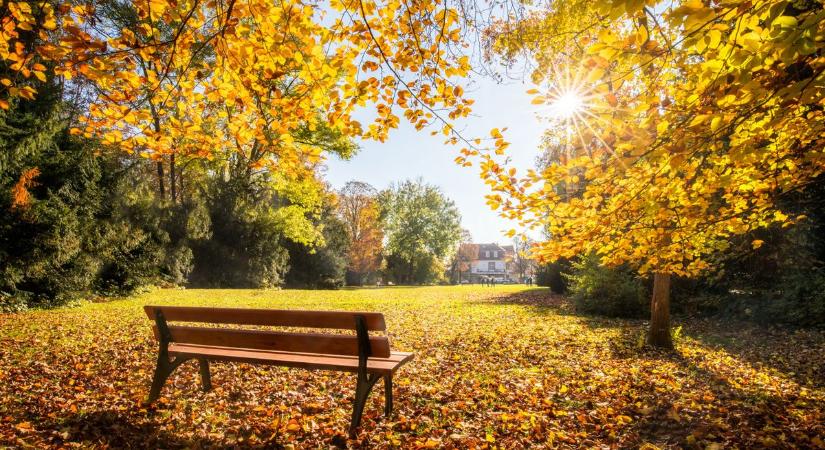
343, 320
302, 360
332, 344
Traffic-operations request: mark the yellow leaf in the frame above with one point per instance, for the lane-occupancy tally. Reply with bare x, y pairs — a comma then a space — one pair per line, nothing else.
786, 22
715, 36
595, 75
715, 123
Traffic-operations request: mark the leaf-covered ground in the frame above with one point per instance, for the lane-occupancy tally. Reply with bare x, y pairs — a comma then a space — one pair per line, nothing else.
505, 367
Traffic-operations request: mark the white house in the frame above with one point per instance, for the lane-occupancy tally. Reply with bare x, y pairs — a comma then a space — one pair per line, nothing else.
488, 261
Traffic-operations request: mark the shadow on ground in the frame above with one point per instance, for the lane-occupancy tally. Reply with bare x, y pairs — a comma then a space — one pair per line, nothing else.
724, 353
765, 347
115, 429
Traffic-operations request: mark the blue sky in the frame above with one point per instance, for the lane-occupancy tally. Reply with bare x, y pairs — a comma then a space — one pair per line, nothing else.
410, 154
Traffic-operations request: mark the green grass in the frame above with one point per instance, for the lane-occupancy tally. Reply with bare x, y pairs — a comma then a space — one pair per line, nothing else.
506, 366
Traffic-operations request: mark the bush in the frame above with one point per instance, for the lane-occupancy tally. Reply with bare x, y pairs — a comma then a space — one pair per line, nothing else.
246, 247
613, 292
554, 276
425, 269
798, 299
320, 267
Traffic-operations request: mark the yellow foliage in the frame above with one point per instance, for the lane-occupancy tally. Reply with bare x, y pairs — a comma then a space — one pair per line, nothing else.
288, 69
699, 119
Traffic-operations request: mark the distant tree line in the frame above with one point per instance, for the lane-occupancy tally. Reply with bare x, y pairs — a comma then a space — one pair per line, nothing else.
406, 234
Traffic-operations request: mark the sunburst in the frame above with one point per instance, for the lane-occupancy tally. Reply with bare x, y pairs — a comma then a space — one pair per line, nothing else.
567, 105
573, 111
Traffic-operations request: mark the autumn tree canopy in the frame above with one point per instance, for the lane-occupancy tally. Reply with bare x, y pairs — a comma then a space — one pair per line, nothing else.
359, 210
196, 78
683, 126
695, 119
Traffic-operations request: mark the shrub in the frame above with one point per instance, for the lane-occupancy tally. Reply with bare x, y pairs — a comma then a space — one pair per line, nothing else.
320, 266
798, 300
613, 292
554, 276
246, 246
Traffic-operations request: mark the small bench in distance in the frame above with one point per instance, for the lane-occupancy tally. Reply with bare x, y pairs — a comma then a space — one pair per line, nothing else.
369, 356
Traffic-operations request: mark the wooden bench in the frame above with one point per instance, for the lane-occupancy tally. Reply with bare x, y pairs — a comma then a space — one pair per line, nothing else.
368, 356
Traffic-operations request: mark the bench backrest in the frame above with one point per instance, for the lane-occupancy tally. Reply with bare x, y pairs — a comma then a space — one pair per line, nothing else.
314, 342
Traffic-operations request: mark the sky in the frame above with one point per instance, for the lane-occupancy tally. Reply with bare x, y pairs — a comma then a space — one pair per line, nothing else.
409, 154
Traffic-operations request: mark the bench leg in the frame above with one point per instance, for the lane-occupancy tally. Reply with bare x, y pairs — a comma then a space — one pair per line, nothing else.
387, 395
362, 391
163, 369
206, 378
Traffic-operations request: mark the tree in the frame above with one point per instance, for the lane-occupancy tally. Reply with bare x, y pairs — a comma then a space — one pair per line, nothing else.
191, 78
464, 255
241, 87
422, 227
523, 263
323, 265
358, 209
695, 122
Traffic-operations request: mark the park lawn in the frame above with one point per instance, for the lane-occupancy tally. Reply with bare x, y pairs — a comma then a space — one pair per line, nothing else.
505, 367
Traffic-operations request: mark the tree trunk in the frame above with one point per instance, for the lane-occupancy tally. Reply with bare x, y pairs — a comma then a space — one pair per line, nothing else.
173, 187
161, 185
659, 335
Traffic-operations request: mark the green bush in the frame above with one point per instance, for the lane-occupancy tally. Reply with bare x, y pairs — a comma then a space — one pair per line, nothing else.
246, 246
797, 300
554, 276
324, 266
613, 292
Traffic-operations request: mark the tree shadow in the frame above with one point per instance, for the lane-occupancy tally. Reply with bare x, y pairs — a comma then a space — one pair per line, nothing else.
780, 351
540, 299
743, 408
734, 415
116, 429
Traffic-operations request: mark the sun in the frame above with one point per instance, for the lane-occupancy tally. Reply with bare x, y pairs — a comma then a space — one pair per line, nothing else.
575, 111
567, 105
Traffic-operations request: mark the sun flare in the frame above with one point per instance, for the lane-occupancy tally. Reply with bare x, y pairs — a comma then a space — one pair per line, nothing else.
567, 105
576, 111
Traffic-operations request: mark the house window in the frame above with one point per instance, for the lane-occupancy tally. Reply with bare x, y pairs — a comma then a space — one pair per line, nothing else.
495, 254
487, 253
491, 266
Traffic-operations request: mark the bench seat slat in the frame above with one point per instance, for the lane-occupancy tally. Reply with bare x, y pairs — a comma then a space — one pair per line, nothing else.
382, 366
334, 344
342, 320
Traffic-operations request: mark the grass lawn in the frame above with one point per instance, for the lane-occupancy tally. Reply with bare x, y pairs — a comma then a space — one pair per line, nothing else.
506, 367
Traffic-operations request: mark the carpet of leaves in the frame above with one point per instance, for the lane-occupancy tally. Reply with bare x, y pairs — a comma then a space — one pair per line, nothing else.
503, 367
